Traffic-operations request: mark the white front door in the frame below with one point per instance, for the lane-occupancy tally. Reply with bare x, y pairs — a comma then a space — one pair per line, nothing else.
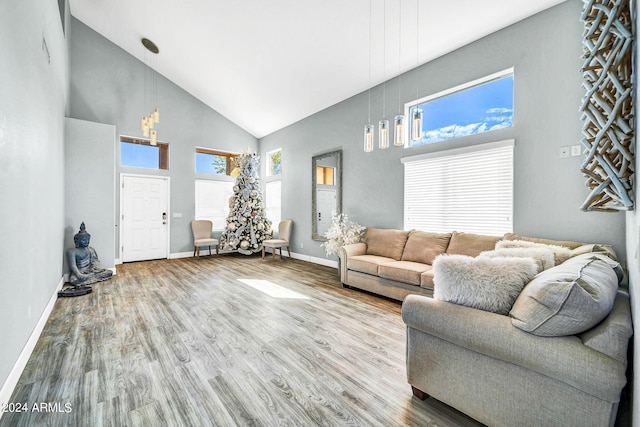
144, 217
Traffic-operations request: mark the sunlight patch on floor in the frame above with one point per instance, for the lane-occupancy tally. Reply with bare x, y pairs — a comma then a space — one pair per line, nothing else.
273, 290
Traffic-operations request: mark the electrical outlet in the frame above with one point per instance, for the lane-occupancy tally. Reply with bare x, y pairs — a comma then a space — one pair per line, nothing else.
576, 150
564, 151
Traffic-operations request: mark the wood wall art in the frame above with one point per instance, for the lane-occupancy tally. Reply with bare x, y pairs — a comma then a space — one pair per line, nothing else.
607, 106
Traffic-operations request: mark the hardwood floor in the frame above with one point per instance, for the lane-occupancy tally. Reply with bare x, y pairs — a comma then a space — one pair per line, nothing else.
192, 342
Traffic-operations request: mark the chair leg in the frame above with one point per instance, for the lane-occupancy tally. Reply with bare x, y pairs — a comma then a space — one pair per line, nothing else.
194, 250
217, 253
263, 252
289, 250
209, 250
273, 253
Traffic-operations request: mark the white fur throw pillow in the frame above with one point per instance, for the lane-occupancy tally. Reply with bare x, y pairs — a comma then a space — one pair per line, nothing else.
561, 253
490, 284
544, 257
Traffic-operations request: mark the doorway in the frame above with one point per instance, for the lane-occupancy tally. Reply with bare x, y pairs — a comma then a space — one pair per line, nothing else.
144, 217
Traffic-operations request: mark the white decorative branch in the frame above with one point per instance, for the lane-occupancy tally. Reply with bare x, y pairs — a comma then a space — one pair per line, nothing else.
607, 106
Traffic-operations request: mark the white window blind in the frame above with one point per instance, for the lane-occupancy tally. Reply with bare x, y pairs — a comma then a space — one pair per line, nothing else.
212, 201
468, 190
273, 202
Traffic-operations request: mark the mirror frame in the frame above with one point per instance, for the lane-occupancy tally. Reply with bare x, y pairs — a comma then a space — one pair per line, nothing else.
314, 163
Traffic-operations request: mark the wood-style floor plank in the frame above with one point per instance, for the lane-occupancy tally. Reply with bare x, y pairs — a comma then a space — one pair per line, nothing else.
185, 343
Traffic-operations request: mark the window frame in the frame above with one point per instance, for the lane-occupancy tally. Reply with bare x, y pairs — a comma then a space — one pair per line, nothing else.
451, 91
163, 152
269, 163
228, 155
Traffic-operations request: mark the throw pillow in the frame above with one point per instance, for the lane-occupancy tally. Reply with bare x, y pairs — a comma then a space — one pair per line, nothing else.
386, 242
567, 299
423, 247
561, 253
567, 243
489, 284
544, 257
470, 244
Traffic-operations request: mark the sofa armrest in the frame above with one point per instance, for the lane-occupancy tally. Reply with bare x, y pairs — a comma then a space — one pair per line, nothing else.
345, 252
565, 359
611, 336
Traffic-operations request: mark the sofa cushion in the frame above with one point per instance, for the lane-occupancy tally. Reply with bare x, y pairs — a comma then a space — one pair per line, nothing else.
367, 263
490, 284
470, 244
596, 248
426, 279
403, 271
423, 247
567, 299
567, 243
386, 243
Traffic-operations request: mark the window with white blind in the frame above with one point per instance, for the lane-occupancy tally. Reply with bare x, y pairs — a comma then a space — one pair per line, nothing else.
212, 201
468, 189
273, 202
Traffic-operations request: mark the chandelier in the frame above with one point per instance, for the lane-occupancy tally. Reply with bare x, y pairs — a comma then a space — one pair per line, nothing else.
148, 123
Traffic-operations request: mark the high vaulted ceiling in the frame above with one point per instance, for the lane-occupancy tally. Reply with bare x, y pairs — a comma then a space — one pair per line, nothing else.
265, 64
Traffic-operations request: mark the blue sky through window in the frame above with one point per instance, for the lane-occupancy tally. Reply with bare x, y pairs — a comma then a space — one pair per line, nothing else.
478, 109
138, 155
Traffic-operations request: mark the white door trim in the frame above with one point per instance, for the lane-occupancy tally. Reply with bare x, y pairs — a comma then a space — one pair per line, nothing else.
138, 175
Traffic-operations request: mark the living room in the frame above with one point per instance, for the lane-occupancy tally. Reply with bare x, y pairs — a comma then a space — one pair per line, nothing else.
83, 89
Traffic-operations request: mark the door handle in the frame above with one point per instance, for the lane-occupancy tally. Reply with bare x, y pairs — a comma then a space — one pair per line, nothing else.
164, 217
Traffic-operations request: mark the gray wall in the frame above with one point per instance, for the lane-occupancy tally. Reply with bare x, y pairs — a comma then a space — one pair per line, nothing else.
545, 52
33, 94
107, 86
90, 154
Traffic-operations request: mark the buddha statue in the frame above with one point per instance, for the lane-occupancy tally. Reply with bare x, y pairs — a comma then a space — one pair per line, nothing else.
83, 261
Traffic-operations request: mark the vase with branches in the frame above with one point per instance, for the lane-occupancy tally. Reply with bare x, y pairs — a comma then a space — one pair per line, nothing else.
342, 232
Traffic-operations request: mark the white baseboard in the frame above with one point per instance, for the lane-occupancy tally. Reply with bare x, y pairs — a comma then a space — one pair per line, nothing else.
315, 260
12, 380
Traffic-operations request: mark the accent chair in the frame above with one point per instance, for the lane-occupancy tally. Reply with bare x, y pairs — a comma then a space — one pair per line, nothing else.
202, 236
284, 234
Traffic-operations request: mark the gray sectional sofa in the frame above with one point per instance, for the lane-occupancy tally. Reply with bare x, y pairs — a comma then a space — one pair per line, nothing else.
558, 358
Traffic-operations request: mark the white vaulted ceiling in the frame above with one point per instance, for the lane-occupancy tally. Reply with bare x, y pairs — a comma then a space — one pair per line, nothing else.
265, 64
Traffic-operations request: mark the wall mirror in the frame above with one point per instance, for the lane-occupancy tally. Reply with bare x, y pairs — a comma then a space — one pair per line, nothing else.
326, 191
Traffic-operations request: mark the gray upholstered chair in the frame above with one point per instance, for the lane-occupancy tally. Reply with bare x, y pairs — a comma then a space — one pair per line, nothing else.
202, 236
284, 234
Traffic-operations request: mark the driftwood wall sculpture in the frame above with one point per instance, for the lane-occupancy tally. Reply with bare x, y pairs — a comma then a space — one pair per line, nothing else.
607, 106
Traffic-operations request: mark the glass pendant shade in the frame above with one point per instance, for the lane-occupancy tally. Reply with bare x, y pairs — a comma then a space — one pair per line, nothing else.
368, 138
416, 124
383, 134
154, 137
156, 115
398, 126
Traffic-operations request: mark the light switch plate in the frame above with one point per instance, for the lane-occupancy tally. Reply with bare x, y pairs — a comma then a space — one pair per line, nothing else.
564, 151
177, 214
576, 150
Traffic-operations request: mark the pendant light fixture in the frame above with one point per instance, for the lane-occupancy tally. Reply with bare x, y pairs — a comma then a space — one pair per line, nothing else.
383, 124
416, 114
398, 121
148, 123
368, 128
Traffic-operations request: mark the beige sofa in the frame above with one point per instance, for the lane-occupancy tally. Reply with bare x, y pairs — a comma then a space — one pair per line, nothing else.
559, 356
396, 263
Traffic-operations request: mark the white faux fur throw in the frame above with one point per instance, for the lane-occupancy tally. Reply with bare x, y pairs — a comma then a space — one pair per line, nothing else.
485, 283
561, 253
544, 257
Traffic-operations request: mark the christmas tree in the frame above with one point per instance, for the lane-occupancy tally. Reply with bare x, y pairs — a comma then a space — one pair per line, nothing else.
247, 223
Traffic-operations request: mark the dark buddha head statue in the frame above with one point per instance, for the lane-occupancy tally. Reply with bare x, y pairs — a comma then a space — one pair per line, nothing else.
82, 238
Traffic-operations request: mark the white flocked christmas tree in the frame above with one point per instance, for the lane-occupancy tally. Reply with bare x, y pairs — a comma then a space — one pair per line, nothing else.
247, 223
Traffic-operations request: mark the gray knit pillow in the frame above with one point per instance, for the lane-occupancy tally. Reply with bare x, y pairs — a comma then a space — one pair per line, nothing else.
567, 299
